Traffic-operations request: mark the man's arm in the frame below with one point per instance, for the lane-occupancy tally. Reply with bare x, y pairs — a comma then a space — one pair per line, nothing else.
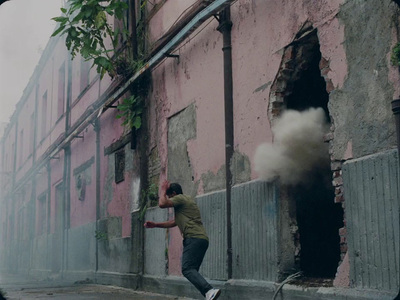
163, 201
167, 224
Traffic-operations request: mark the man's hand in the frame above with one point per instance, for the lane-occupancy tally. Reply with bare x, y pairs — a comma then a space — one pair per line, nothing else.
165, 186
168, 224
150, 224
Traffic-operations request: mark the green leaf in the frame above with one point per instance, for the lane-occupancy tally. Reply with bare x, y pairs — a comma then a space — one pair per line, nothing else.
101, 20
61, 28
137, 122
60, 19
72, 32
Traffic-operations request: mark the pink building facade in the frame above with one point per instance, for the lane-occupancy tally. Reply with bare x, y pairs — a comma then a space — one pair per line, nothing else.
74, 180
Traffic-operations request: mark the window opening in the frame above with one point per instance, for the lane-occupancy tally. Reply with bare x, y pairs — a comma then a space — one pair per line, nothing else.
21, 147
119, 165
61, 91
44, 115
42, 217
85, 72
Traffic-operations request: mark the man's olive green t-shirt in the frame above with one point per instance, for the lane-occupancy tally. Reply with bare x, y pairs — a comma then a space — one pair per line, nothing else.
188, 218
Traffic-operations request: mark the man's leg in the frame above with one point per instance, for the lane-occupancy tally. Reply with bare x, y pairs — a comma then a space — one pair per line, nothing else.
192, 257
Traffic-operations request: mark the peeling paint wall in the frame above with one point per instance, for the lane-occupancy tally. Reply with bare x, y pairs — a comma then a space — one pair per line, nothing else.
185, 120
361, 107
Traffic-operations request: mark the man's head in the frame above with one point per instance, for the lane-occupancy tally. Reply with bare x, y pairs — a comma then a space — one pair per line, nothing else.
174, 189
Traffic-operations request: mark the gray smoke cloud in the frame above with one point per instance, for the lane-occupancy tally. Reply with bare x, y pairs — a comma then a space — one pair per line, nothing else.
298, 147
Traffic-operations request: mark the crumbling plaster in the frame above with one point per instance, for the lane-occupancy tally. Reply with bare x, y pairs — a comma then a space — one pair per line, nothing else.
196, 79
361, 108
257, 57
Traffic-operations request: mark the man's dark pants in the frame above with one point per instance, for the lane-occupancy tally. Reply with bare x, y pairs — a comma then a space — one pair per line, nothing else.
192, 257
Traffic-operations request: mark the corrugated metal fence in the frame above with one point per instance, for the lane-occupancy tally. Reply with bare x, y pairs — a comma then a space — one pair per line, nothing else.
254, 232
372, 215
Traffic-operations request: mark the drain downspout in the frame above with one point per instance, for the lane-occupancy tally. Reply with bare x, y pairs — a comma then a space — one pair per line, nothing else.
225, 28
97, 129
67, 170
396, 112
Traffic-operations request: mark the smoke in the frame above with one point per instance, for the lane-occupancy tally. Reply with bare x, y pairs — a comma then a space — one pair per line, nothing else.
298, 147
25, 28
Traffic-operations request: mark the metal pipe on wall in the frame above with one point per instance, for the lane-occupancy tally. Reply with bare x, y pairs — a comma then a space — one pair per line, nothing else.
225, 28
97, 129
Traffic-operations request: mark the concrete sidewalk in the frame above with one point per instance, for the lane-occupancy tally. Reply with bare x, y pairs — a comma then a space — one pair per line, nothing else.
17, 287
176, 288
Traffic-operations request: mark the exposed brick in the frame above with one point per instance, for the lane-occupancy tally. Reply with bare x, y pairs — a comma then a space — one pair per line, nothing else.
323, 63
324, 72
342, 231
329, 86
337, 181
339, 190
336, 165
337, 174
339, 198
289, 54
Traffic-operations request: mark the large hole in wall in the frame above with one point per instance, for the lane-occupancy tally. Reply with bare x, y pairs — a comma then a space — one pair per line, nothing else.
318, 218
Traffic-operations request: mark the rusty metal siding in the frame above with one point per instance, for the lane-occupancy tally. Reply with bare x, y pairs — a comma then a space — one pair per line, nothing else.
213, 212
372, 216
254, 231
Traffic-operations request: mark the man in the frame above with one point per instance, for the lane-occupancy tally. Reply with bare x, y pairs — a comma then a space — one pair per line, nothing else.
195, 239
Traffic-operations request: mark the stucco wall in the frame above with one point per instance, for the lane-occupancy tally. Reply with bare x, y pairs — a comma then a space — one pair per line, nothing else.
361, 108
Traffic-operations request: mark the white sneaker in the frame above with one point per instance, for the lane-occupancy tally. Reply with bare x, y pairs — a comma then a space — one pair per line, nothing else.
213, 294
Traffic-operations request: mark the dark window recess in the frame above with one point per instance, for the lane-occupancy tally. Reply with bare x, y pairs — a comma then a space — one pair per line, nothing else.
81, 185
119, 165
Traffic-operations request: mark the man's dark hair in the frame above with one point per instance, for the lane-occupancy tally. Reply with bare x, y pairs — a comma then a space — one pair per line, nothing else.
174, 187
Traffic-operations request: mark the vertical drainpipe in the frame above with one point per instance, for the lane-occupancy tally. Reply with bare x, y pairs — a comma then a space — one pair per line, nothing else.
97, 130
33, 195
225, 28
67, 168
13, 194
134, 52
396, 112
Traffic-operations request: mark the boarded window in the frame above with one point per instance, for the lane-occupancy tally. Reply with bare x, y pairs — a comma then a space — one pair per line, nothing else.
21, 147
32, 134
61, 91
44, 116
85, 72
119, 165
41, 215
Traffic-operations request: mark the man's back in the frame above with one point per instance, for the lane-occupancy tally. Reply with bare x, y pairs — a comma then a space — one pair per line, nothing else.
188, 218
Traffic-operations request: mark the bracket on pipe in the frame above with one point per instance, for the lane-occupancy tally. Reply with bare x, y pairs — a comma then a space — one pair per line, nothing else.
173, 56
